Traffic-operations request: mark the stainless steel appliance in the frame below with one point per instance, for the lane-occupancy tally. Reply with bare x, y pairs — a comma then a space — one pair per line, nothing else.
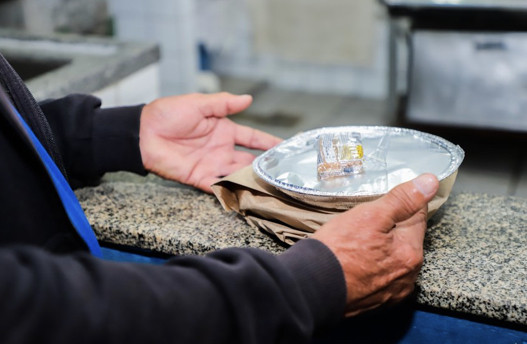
459, 63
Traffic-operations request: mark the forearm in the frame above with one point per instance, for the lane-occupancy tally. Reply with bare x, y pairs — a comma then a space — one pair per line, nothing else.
92, 140
231, 296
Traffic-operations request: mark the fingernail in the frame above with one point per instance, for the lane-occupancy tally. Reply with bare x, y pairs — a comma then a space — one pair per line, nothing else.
426, 184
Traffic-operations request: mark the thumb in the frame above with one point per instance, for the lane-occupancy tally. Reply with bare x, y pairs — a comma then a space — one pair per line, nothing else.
403, 201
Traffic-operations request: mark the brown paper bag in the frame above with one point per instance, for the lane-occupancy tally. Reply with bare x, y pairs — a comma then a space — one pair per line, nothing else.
267, 208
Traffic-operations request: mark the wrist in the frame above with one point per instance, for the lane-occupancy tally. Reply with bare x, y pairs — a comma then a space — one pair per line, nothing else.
146, 137
116, 139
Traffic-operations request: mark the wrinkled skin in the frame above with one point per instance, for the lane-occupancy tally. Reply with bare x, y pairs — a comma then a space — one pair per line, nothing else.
379, 244
189, 138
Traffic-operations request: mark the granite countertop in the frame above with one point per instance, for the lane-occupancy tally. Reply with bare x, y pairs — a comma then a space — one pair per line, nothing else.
74, 64
475, 256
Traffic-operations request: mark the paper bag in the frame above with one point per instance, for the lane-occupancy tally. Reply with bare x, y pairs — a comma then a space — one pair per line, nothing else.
267, 208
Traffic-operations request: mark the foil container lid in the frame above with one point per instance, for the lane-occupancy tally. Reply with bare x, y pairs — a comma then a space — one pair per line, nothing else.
391, 156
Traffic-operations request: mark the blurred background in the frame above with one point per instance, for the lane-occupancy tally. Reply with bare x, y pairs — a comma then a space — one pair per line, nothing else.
457, 69
301, 45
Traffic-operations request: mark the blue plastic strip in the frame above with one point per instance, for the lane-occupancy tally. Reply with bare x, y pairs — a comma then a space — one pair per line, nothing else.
66, 194
123, 256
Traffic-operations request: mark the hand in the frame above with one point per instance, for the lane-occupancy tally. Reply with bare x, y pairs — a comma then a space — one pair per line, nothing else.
379, 244
189, 139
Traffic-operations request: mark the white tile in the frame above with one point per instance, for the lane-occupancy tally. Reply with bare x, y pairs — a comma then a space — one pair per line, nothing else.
131, 27
124, 8
186, 31
169, 88
142, 86
158, 8
116, 6
186, 6
169, 7
108, 96
163, 32
135, 6
172, 35
171, 68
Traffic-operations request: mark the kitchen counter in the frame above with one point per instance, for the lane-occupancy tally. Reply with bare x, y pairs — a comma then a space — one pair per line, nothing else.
60, 64
475, 256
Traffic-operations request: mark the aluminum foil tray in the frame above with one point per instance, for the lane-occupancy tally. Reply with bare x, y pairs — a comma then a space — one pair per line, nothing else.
391, 156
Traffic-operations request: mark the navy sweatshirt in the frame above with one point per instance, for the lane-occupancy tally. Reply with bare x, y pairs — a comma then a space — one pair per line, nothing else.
53, 291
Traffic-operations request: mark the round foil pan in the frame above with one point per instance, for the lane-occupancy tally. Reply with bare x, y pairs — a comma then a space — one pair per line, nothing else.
391, 156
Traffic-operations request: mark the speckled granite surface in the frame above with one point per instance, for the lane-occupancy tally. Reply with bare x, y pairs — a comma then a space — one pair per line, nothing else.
475, 255
166, 219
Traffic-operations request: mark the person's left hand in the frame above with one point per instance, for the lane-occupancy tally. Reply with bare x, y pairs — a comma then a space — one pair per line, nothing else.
189, 139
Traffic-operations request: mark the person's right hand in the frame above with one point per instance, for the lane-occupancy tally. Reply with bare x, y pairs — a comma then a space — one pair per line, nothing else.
379, 244
189, 139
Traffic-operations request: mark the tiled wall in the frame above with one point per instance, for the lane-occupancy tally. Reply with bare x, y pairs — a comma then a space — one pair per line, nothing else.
141, 87
227, 28
169, 23
48, 16
232, 30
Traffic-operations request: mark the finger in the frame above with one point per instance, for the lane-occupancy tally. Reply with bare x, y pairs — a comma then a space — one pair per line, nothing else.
231, 168
208, 176
413, 230
223, 104
238, 103
223, 163
242, 158
205, 184
406, 199
254, 139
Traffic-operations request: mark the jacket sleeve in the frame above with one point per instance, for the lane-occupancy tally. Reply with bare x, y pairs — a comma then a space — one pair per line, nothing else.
230, 296
93, 140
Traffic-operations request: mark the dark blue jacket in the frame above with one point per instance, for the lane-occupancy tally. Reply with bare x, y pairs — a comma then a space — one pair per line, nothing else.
52, 291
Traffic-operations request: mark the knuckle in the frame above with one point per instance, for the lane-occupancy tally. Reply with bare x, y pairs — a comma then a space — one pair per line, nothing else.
410, 258
369, 212
404, 292
410, 199
414, 261
405, 200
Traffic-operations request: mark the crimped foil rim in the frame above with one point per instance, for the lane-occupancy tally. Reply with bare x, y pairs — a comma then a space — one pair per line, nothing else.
456, 152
